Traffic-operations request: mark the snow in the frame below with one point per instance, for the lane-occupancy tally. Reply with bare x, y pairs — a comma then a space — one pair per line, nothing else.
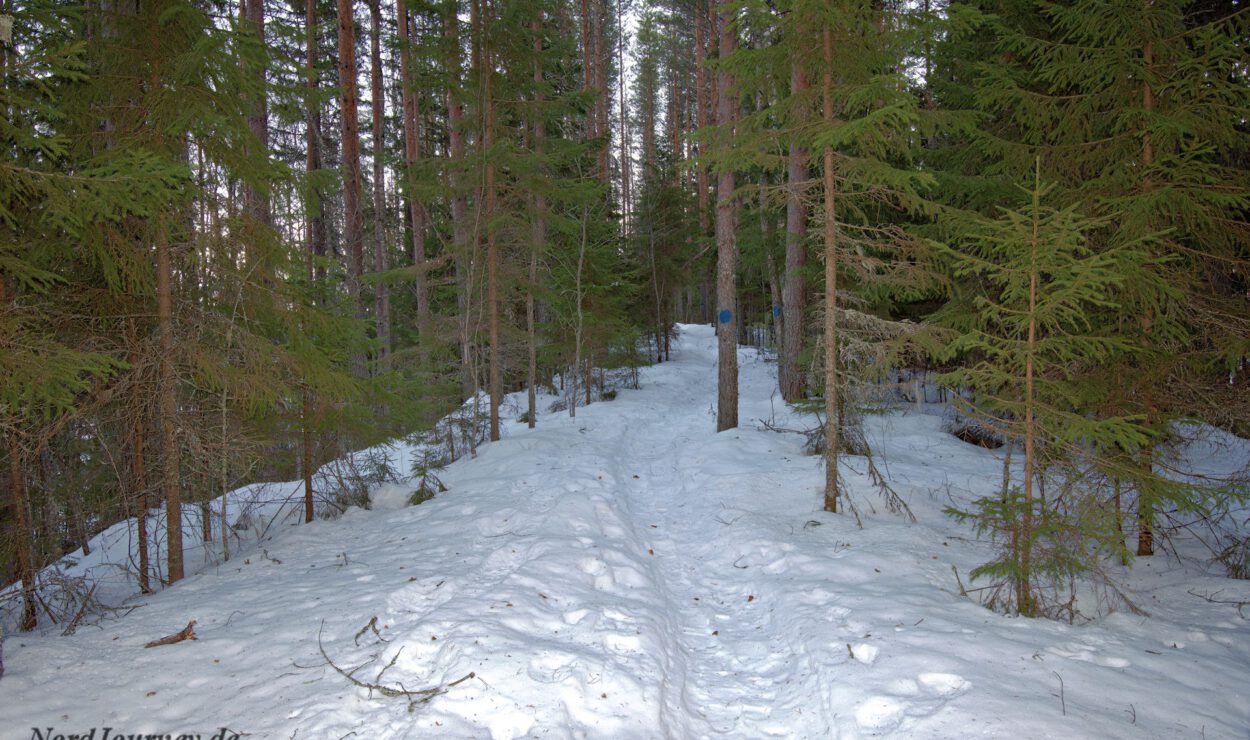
631, 574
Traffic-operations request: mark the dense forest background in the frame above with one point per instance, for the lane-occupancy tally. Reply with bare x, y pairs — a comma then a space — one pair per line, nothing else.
237, 242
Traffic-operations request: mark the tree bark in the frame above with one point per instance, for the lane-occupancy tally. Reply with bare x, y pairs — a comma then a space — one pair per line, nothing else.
626, 165
306, 455
794, 291
23, 534
1145, 504
602, 96
353, 217
701, 112
412, 155
168, 406
315, 228
539, 233
495, 379
255, 203
1024, 597
831, 295
726, 242
381, 296
459, 201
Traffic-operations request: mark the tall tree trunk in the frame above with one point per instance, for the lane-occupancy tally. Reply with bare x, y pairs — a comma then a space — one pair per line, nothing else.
794, 292
23, 539
767, 235
626, 165
256, 203
495, 378
459, 201
381, 297
726, 242
138, 465
587, 63
661, 330
602, 96
701, 112
139, 485
168, 405
412, 155
353, 217
1145, 502
1024, 597
540, 225
306, 453
316, 241
578, 328
315, 227
831, 295
649, 119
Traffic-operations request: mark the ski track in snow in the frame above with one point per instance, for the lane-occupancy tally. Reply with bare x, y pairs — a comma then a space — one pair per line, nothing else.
630, 574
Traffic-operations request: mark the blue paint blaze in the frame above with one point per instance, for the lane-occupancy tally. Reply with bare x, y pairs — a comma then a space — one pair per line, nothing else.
725, 315
776, 310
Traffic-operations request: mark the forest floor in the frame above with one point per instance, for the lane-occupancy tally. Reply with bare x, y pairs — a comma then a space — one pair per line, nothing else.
631, 574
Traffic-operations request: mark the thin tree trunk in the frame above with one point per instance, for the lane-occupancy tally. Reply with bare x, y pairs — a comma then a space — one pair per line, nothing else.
459, 201
138, 468
495, 370
353, 217
315, 227
602, 96
1024, 598
701, 112
23, 534
831, 296
794, 292
626, 195
139, 484
661, 330
306, 455
726, 242
587, 67
381, 296
412, 155
539, 228
1145, 504
168, 406
577, 333
256, 204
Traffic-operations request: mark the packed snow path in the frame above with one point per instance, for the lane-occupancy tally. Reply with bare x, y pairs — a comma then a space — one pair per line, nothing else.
631, 574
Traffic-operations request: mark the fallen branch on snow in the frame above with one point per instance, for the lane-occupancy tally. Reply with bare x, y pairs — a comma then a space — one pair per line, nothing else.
414, 698
187, 633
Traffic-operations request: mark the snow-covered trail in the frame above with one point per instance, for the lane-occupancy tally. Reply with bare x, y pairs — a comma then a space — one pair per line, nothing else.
632, 574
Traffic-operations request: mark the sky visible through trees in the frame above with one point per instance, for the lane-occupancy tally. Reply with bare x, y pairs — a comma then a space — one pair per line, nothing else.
238, 241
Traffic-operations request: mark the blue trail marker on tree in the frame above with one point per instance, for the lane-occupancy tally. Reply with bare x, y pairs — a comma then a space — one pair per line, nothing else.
725, 315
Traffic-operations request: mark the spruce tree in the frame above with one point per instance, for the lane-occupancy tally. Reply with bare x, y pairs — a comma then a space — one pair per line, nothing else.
1026, 334
1136, 110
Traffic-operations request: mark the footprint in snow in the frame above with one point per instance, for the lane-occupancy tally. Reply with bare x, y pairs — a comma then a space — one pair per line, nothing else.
1087, 654
599, 571
879, 714
864, 653
943, 685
